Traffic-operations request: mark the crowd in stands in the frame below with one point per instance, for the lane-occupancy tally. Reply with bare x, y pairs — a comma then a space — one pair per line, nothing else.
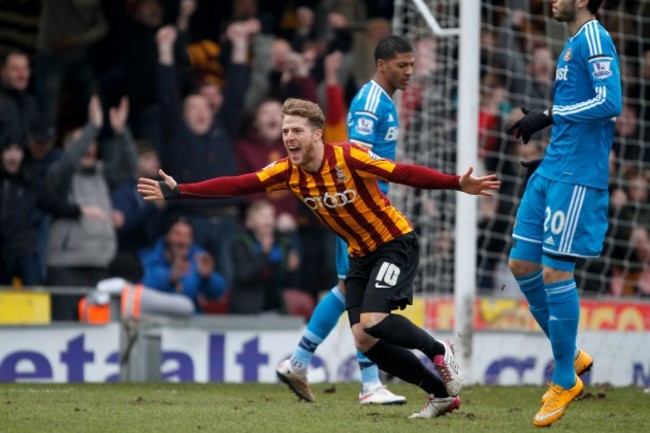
98, 93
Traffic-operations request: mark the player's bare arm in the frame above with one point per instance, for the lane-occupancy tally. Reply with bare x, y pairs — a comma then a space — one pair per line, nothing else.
483, 185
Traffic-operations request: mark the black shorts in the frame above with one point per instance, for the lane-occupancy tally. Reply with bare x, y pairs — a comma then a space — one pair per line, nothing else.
382, 281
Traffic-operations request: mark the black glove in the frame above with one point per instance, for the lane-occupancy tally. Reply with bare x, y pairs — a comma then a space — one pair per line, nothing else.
533, 121
530, 167
167, 192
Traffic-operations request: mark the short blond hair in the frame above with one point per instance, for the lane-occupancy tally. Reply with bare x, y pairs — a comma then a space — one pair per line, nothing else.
302, 108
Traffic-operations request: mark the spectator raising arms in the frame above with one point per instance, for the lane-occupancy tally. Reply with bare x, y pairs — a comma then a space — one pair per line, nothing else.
198, 144
23, 194
80, 251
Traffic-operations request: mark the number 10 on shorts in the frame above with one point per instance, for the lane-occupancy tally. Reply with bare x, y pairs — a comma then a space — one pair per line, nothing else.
388, 273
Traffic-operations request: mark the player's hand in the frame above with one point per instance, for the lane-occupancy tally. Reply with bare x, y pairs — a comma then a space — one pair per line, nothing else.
483, 185
530, 167
152, 189
533, 121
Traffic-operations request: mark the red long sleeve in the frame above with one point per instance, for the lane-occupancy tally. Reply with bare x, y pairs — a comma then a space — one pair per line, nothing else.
422, 177
226, 186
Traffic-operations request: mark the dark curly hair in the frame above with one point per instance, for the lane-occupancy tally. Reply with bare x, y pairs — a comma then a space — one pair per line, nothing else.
391, 46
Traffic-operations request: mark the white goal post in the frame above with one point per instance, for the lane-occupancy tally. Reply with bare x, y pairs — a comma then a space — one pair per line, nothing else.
466, 36
466, 206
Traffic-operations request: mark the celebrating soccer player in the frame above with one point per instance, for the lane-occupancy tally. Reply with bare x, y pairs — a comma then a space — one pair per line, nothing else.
338, 182
373, 123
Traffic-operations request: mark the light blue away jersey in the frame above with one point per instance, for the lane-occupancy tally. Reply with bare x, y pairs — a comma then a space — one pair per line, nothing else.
586, 99
372, 122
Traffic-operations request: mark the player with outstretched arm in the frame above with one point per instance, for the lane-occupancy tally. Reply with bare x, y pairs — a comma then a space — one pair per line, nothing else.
338, 182
372, 122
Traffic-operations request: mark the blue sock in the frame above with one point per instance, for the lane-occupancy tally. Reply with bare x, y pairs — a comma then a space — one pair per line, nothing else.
564, 315
532, 286
322, 321
369, 370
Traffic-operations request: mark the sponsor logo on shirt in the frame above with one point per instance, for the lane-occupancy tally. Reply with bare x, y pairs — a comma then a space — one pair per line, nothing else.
562, 74
331, 201
392, 134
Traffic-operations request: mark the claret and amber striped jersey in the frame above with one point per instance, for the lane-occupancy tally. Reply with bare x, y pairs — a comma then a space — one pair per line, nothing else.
343, 193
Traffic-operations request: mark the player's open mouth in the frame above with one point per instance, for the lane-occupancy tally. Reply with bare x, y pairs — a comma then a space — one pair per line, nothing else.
294, 150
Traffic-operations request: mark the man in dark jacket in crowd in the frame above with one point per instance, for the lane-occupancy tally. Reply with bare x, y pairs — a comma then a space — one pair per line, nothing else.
198, 143
23, 193
18, 108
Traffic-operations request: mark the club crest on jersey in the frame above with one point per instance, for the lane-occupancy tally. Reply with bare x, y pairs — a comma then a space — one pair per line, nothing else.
340, 174
364, 126
602, 68
567, 55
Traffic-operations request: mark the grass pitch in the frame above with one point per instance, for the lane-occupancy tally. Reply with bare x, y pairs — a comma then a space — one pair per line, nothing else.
173, 407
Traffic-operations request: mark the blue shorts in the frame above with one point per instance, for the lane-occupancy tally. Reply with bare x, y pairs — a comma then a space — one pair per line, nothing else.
561, 219
342, 258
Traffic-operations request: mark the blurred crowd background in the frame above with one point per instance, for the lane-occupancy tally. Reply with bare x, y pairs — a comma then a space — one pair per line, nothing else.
97, 93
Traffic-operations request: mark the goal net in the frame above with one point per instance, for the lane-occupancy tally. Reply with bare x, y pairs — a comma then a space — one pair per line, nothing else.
520, 42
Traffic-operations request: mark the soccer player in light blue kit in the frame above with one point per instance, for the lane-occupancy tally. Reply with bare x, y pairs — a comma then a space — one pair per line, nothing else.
372, 122
563, 213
